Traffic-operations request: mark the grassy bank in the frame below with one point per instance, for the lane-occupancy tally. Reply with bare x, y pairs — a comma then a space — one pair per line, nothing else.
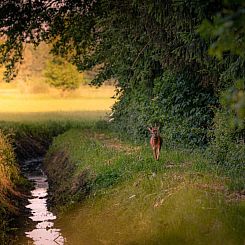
130, 198
32, 139
9, 178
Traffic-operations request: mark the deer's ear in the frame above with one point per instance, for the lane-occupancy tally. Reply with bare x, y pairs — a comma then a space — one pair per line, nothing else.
149, 129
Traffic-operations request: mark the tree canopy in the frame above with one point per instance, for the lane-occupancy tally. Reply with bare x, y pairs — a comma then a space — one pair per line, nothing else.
116, 33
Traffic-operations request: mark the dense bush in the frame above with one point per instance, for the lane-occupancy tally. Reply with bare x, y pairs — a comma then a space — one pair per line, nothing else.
227, 148
226, 137
180, 105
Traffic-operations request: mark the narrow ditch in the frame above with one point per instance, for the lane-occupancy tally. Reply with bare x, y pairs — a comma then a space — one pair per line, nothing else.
41, 230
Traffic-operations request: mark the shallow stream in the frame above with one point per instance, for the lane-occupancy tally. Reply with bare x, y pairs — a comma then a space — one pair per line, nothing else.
44, 231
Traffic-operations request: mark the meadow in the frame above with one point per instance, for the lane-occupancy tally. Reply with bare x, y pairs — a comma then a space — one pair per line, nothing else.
87, 103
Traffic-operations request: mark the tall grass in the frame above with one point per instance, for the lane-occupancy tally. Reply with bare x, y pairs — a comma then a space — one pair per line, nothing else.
9, 176
9, 172
108, 160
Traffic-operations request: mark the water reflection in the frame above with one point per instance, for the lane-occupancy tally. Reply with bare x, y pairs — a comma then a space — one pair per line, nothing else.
44, 232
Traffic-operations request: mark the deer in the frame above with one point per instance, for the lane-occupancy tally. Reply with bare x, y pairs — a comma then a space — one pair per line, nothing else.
155, 141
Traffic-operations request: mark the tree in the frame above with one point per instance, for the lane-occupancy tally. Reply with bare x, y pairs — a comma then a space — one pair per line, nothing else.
62, 75
31, 22
227, 34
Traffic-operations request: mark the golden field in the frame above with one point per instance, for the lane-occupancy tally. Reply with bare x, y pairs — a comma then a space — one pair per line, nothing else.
84, 103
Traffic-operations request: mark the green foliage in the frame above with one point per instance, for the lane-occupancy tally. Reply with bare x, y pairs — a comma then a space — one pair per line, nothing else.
61, 74
182, 107
227, 148
234, 99
226, 34
226, 30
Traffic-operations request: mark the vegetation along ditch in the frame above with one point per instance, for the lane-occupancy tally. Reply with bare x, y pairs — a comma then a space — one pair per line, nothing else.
99, 181
21, 147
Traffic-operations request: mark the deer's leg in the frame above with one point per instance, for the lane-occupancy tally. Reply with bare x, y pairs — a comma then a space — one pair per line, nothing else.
154, 153
157, 153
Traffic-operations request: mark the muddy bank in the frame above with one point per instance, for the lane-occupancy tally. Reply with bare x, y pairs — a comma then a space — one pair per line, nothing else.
30, 145
66, 185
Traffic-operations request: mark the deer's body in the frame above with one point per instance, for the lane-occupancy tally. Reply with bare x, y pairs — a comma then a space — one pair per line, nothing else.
155, 142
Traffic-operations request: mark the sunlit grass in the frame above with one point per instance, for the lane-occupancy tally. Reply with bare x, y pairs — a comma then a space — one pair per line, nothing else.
86, 103
25, 104
155, 210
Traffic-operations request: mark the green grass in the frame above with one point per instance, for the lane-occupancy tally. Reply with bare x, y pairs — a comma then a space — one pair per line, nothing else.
135, 200
113, 160
104, 152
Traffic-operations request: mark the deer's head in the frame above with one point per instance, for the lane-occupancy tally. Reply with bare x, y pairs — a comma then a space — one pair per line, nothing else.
154, 131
